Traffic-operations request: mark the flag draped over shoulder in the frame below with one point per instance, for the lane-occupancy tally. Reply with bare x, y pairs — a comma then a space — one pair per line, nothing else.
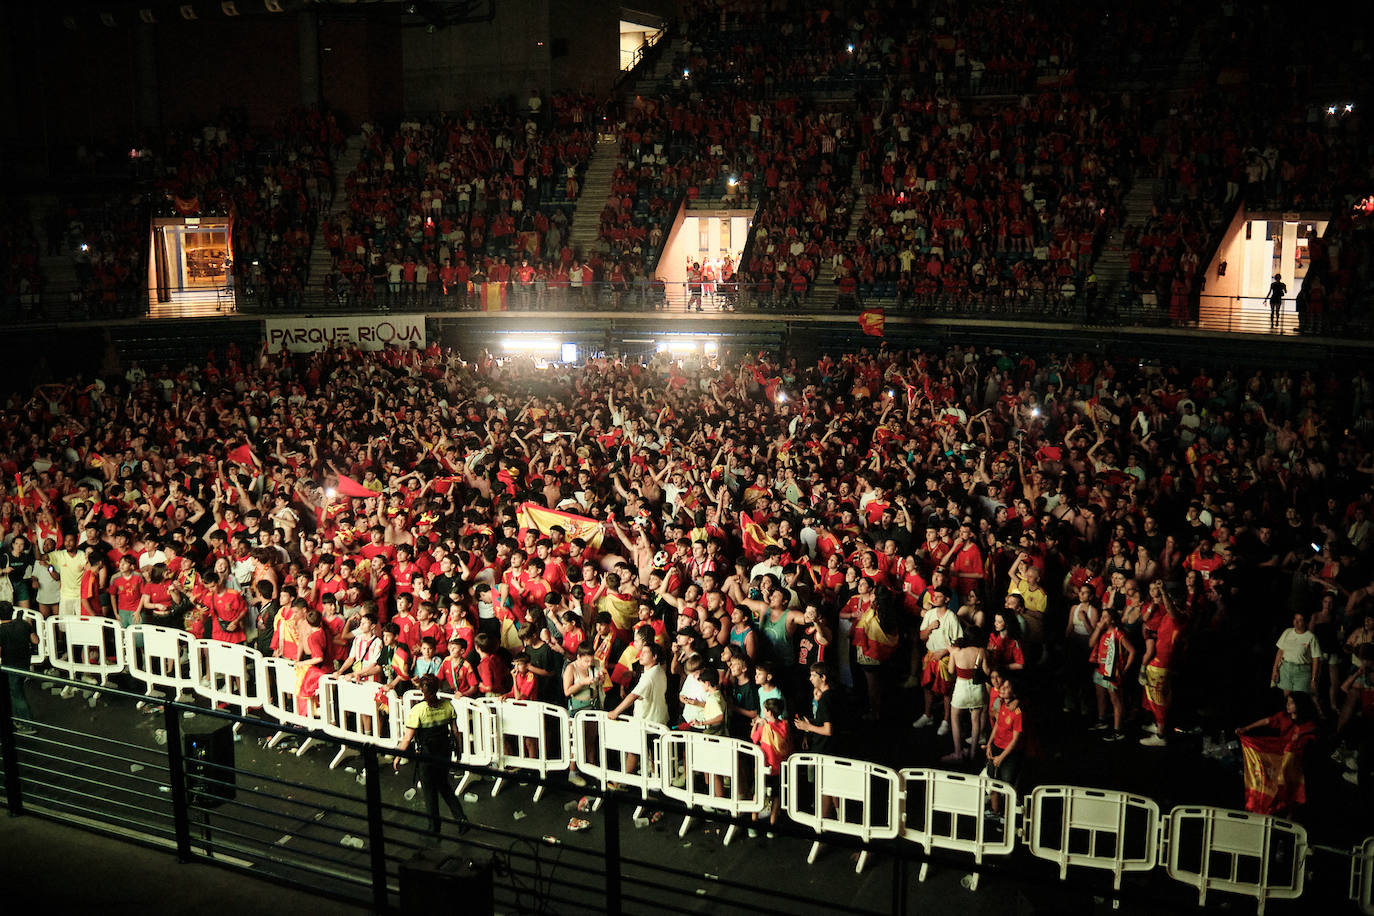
753, 537
1273, 775
871, 321
531, 515
869, 637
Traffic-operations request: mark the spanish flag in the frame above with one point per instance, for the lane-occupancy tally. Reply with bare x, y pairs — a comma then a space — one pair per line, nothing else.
531, 515
624, 610
493, 297
1273, 775
753, 537
871, 639
871, 321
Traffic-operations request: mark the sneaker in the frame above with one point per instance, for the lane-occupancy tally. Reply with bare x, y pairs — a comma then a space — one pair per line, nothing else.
944, 728
1153, 741
1151, 729
1114, 736
1101, 725
753, 834
68, 692
1351, 777
577, 779
21, 729
922, 722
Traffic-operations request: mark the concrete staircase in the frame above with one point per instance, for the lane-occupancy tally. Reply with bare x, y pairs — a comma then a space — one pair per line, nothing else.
59, 270
321, 262
584, 233
1113, 263
860, 206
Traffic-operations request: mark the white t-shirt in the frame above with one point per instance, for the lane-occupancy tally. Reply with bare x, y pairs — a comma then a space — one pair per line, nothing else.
947, 629
652, 696
1299, 648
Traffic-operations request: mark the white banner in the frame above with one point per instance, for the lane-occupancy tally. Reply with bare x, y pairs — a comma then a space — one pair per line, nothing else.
367, 332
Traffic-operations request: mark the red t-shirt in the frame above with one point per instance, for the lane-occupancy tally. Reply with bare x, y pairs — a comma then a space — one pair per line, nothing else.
225, 609
493, 676
1005, 726
127, 592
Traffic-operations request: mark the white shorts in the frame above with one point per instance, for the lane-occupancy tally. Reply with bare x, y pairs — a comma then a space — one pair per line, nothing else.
968, 695
66, 606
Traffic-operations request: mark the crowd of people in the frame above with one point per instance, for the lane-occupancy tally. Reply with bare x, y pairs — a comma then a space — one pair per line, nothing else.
1025, 549
439, 205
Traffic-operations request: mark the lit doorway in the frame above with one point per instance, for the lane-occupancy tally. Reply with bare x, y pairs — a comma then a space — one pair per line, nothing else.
191, 265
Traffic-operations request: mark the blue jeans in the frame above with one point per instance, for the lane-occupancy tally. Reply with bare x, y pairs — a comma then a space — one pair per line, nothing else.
19, 700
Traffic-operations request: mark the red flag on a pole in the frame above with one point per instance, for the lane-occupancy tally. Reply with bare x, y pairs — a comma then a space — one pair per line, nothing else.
871, 321
350, 487
243, 455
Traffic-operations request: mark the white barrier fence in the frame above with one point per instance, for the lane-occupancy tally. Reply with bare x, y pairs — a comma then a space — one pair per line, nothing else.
621, 751
1207, 848
1093, 828
353, 710
85, 646
944, 810
1254, 855
838, 795
714, 773
160, 657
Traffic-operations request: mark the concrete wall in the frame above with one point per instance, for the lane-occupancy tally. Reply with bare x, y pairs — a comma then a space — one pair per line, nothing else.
1232, 251
591, 31
250, 62
360, 70
477, 62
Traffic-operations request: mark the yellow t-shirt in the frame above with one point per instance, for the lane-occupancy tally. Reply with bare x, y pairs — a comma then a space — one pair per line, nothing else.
70, 568
1035, 599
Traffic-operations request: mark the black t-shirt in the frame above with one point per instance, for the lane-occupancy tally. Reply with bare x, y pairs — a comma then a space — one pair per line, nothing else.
267, 621
441, 586
16, 643
823, 711
742, 696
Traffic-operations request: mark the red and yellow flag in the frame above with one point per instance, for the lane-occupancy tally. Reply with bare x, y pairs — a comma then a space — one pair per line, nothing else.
753, 537
871, 639
531, 515
493, 297
871, 321
1273, 775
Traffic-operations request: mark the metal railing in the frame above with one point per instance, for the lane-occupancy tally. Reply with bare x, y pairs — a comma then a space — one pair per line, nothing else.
146, 778
1070, 304
140, 784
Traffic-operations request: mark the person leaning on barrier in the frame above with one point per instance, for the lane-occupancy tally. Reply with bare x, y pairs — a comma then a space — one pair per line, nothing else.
17, 639
432, 727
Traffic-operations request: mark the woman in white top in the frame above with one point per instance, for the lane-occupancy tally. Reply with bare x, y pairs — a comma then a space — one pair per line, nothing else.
1297, 663
970, 691
1081, 625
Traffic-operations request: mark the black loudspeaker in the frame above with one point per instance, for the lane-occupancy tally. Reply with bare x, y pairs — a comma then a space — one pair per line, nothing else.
209, 762
437, 882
